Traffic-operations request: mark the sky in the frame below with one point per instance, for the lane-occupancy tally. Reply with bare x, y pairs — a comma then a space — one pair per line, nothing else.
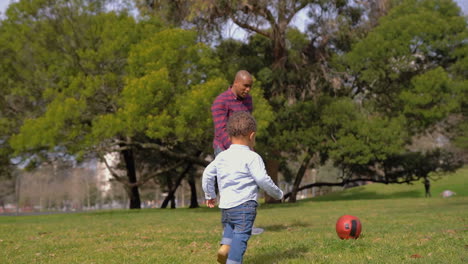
3, 5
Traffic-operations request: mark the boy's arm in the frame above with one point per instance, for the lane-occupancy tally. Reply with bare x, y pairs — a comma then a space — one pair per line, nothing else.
211, 203
258, 171
208, 181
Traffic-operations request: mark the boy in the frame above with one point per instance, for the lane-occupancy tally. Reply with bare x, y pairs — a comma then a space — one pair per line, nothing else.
240, 173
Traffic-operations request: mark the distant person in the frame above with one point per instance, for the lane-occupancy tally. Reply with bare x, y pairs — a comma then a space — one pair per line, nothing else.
240, 172
236, 98
447, 193
427, 187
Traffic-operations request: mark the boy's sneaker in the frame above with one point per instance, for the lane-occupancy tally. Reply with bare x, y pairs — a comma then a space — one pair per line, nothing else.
223, 252
257, 230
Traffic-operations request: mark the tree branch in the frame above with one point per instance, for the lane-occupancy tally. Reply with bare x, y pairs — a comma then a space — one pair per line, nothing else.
112, 171
143, 179
268, 15
175, 155
343, 183
251, 28
165, 150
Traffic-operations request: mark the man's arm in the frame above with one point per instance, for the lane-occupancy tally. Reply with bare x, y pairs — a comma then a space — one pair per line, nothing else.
219, 111
259, 173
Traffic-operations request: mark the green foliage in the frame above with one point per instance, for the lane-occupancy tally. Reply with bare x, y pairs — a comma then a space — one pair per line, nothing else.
81, 56
460, 70
104, 80
194, 108
431, 97
172, 83
299, 127
357, 137
461, 139
254, 56
460, 55
134, 81
414, 38
296, 42
77, 78
263, 111
49, 130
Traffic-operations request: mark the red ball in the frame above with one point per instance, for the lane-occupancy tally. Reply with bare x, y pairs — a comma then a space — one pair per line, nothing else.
348, 226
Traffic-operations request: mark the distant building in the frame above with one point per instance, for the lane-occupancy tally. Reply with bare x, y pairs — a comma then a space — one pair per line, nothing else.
103, 174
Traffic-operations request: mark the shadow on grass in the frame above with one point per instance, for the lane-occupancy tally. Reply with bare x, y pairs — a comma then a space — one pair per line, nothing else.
283, 227
275, 256
204, 209
265, 206
361, 194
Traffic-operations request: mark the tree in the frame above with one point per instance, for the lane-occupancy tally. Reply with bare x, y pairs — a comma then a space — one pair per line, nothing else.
292, 66
412, 46
96, 81
74, 67
7, 179
396, 169
459, 71
112, 84
398, 85
165, 119
364, 95
340, 130
272, 20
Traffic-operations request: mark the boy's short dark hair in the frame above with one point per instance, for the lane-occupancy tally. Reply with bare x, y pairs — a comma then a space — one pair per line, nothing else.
241, 124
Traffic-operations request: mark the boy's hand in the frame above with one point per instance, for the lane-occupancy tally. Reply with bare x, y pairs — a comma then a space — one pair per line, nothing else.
211, 203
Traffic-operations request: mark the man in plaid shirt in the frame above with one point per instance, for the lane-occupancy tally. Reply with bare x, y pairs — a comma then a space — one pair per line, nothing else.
235, 98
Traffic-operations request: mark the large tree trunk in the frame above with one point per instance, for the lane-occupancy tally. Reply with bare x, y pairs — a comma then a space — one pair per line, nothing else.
173, 188
272, 168
280, 53
298, 180
193, 192
173, 202
133, 192
170, 195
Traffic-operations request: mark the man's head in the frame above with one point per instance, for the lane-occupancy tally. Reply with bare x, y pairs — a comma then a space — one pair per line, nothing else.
241, 128
242, 84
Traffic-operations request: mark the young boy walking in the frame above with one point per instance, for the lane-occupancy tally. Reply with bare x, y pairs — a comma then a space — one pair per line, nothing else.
240, 173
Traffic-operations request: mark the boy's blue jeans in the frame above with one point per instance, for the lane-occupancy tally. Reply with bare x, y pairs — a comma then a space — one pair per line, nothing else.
237, 223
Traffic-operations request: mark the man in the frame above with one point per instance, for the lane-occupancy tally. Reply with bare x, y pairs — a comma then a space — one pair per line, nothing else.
427, 186
235, 99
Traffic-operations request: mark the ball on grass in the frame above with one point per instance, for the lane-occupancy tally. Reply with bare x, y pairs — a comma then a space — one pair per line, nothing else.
348, 226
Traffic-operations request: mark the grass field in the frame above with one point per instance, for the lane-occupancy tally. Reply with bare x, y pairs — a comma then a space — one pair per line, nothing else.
399, 226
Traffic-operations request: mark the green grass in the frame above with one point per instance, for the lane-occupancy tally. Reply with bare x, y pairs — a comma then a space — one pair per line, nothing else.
398, 227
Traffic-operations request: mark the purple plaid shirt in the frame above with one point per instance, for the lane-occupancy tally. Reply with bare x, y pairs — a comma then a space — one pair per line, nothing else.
223, 106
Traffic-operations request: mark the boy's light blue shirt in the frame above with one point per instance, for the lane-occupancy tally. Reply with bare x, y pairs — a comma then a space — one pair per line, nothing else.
240, 173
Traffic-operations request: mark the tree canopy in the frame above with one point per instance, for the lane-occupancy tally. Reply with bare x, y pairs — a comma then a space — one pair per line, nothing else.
83, 80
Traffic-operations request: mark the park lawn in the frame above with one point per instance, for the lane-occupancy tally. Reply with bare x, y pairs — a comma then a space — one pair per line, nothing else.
396, 229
